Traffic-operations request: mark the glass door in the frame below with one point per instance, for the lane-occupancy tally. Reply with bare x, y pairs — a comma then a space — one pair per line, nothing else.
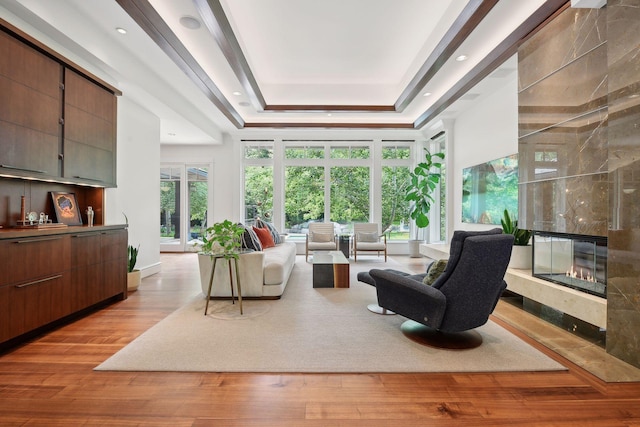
184, 205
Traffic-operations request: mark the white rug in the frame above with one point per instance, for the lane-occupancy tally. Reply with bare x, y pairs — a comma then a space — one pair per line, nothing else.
310, 330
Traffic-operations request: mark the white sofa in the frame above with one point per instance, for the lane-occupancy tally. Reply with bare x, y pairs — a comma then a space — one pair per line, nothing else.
263, 274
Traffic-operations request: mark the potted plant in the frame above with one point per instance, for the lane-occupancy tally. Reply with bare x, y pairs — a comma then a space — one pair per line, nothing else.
133, 275
222, 238
521, 255
423, 182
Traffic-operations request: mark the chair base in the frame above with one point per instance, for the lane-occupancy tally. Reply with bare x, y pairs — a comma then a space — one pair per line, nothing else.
375, 308
445, 340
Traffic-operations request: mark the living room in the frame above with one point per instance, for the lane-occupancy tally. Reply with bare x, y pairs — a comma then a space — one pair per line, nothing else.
479, 131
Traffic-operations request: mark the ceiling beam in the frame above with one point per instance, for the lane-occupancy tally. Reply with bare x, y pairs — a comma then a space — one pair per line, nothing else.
507, 48
216, 21
473, 13
150, 21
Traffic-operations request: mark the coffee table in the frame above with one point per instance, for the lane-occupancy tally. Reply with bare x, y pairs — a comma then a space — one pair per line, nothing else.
330, 269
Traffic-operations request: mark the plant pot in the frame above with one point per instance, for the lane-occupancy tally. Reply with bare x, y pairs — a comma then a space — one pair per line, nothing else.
414, 248
521, 257
133, 280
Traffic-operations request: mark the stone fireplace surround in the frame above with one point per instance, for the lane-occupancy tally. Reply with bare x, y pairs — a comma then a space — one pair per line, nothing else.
579, 153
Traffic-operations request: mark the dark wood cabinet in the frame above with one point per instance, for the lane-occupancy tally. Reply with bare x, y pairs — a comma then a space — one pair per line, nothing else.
30, 111
89, 131
47, 278
57, 122
99, 266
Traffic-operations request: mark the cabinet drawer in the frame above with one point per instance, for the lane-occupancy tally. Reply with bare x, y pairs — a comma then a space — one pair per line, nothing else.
114, 246
85, 249
29, 305
24, 260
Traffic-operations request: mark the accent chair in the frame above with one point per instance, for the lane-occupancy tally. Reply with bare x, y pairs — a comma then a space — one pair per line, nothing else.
321, 237
460, 300
367, 238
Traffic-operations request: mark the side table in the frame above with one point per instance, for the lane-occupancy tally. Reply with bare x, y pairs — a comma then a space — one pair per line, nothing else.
344, 244
216, 257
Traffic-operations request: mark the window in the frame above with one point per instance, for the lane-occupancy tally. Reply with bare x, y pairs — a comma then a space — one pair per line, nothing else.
303, 198
296, 182
258, 181
258, 193
396, 162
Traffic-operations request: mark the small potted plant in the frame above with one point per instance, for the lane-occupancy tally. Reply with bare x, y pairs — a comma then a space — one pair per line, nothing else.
133, 275
521, 255
423, 182
222, 238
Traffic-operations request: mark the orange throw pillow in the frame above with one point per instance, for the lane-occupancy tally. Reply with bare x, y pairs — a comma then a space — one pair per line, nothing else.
266, 239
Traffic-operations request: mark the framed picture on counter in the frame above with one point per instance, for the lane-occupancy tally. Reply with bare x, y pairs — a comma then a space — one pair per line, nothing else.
66, 208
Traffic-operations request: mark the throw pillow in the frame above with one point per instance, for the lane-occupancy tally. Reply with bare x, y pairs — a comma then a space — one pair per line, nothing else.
368, 237
250, 239
321, 237
266, 239
435, 270
277, 239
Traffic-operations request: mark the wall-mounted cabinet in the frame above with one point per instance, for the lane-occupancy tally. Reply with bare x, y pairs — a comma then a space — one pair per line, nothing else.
57, 122
30, 110
89, 131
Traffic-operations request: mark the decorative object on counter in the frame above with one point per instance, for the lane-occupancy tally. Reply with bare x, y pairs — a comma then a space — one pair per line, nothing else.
66, 208
90, 216
23, 212
34, 220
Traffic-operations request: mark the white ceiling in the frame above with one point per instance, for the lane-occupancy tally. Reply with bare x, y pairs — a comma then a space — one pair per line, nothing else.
300, 52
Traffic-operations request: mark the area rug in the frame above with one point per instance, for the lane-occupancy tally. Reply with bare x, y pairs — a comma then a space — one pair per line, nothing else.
311, 330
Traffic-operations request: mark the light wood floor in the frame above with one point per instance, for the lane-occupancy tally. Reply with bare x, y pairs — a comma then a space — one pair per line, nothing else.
51, 382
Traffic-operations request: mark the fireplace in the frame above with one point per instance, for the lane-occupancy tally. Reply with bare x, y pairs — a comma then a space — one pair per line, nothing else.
572, 260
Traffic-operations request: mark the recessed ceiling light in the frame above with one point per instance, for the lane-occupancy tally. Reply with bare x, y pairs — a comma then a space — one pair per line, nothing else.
244, 104
190, 22
461, 58
121, 30
236, 93
426, 94
329, 115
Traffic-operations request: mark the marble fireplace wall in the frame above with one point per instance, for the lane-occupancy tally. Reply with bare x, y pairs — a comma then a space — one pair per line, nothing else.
579, 146
562, 125
623, 295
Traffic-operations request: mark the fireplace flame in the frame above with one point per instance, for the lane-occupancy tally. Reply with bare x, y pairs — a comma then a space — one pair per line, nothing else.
573, 273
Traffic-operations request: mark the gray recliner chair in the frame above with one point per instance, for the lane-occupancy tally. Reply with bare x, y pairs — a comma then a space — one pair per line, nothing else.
454, 255
460, 300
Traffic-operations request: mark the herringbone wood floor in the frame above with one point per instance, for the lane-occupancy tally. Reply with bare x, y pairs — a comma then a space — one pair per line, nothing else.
50, 382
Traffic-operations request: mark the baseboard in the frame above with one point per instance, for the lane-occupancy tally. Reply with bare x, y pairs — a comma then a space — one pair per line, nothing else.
150, 270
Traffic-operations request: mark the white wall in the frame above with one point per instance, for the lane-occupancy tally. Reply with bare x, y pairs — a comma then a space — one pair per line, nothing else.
487, 131
138, 191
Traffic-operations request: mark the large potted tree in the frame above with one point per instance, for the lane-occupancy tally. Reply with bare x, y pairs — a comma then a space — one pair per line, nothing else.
423, 183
